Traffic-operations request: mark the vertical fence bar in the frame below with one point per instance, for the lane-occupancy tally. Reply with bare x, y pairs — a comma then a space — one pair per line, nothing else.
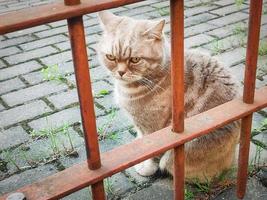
177, 71
80, 60
248, 93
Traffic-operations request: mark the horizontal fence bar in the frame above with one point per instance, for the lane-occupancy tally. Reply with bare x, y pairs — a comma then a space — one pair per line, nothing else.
52, 12
116, 160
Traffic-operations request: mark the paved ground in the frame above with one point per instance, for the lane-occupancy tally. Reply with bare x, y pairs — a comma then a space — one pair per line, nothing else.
40, 130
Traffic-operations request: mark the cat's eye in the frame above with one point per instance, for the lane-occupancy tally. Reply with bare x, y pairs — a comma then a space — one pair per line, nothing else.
110, 57
135, 59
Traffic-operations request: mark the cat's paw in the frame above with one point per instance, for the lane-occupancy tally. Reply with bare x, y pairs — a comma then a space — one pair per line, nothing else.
146, 168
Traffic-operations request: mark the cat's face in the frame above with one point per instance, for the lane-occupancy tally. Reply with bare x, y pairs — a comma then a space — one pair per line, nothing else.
131, 49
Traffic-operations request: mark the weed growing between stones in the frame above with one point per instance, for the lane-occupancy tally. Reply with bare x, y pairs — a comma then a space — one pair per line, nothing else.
108, 185
240, 31
164, 11
103, 131
263, 48
217, 46
52, 73
55, 142
239, 3
189, 195
261, 129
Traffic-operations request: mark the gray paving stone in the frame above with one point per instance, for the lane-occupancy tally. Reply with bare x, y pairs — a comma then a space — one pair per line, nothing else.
199, 28
34, 77
99, 86
197, 19
1, 107
54, 31
9, 85
19, 69
141, 4
21, 113
18, 180
43, 42
84, 194
161, 4
57, 58
107, 101
98, 73
120, 184
197, 40
233, 57
255, 190
93, 30
120, 121
64, 99
58, 119
224, 44
195, 3
12, 137
58, 23
67, 140
16, 41
224, 2
229, 19
64, 69
27, 31
198, 10
136, 11
9, 51
223, 31
2, 64
33, 92
229, 9
37, 53
238, 72
153, 192
263, 32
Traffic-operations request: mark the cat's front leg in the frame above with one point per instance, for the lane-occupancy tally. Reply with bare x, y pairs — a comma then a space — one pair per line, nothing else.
148, 167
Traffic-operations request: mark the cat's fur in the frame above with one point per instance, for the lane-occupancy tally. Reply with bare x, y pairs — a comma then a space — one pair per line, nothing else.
144, 91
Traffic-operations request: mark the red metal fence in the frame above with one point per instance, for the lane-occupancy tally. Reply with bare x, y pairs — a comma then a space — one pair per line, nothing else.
95, 169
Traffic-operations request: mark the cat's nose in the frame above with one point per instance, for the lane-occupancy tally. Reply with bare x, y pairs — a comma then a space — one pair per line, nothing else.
121, 73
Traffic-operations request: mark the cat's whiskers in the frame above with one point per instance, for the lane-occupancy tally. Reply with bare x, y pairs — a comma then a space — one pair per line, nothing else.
153, 83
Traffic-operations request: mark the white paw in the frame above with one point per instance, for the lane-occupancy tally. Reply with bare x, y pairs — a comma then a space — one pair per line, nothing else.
146, 168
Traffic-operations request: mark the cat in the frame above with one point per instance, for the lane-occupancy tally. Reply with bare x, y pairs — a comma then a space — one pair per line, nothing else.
137, 54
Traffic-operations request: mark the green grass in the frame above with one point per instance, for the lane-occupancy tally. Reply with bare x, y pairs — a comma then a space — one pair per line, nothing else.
108, 185
262, 128
164, 11
240, 32
189, 195
104, 131
217, 46
102, 93
52, 73
52, 134
263, 48
8, 157
239, 2
240, 28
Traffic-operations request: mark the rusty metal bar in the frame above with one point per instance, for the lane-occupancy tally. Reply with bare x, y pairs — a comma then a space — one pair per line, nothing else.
248, 93
81, 66
78, 176
52, 12
177, 78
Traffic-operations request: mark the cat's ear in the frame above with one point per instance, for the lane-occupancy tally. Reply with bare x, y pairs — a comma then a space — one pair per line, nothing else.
155, 31
108, 20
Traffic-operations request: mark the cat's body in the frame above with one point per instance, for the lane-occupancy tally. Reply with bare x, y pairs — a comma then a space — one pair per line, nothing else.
139, 60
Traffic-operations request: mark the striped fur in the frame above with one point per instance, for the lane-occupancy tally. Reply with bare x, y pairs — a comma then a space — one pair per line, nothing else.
144, 91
